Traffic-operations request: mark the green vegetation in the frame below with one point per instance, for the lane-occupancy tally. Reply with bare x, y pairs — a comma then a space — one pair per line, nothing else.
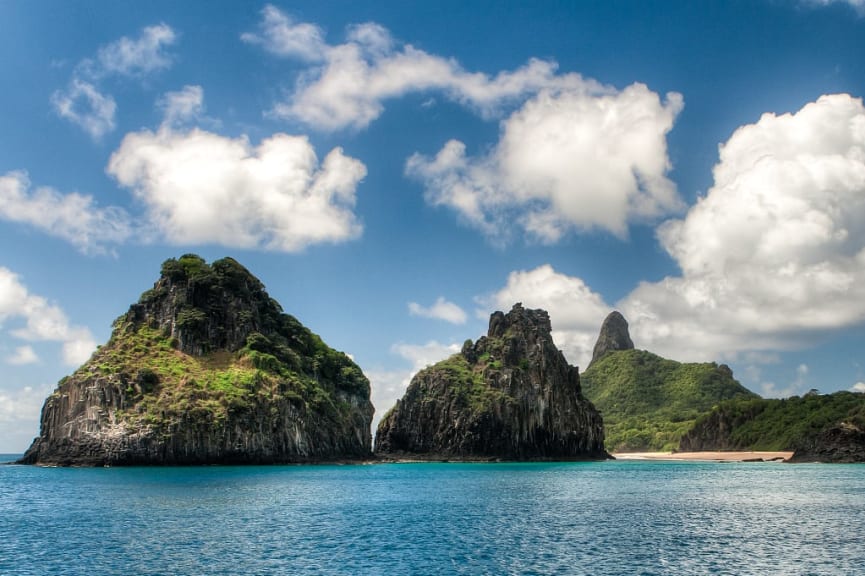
648, 402
280, 362
771, 424
467, 382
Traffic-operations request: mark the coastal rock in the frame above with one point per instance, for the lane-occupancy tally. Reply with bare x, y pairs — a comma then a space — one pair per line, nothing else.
843, 443
510, 395
614, 336
206, 368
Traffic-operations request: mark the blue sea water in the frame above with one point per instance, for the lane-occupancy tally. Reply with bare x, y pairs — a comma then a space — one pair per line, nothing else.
622, 518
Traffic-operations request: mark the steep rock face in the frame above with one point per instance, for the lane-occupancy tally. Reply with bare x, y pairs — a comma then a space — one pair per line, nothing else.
206, 368
510, 395
614, 336
843, 443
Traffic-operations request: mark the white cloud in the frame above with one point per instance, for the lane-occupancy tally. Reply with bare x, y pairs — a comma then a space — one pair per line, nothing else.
388, 386
280, 35
776, 249
858, 387
183, 106
576, 312
858, 5
73, 217
82, 104
43, 321
137, 57
19, 410
22, 355
203, 188
441, 310
355, 78
577, 159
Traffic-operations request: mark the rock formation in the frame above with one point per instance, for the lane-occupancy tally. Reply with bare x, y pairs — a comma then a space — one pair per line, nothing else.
614, 336
510, 395
843, 443
206, 368
648, 402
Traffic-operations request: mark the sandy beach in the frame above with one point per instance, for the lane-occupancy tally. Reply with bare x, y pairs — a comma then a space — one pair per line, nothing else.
706, 456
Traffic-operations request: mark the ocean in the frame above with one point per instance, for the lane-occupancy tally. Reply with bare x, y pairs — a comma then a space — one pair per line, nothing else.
598, 518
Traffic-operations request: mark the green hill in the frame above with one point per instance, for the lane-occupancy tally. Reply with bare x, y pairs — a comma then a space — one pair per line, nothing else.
771, 424
649, 402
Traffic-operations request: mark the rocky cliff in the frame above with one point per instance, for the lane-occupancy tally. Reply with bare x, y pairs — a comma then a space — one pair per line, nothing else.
206, 368
649, 402
614, 336
510, 395
817, 427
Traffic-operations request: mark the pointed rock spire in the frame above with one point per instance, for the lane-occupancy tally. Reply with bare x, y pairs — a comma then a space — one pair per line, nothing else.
614, 336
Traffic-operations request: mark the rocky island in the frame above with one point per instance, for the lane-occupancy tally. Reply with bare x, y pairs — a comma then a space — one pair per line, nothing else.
207, 369
511, 395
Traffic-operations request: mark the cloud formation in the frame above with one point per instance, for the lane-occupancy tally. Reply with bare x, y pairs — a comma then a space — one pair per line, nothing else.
203, 188
576, 312
72, 217
349, 82
42, 321
85, 104
773, 255
441, 310
22, 355
566, 160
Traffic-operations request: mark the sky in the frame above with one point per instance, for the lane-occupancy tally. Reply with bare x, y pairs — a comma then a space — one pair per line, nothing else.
396, 171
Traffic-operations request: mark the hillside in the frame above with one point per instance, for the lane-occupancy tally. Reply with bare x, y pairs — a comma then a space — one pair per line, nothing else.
822, 427
206, 368
511, 395
649, 402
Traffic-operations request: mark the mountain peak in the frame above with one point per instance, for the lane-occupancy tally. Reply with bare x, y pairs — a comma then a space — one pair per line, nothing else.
614, 336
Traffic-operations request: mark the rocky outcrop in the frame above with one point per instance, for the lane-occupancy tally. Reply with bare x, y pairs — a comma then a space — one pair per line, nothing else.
614, 336
843, 443
206, 368
510, 395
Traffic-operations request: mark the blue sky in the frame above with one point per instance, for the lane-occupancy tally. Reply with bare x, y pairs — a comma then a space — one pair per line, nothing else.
395, 171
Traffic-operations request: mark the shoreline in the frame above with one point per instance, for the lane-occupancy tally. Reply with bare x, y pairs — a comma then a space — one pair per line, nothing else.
707, 456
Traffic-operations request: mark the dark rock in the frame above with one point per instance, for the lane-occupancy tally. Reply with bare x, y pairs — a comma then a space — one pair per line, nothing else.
614, 336
206, 368
839, 444
511, 395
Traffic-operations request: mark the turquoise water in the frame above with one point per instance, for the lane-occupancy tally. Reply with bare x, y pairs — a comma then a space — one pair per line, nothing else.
642, 518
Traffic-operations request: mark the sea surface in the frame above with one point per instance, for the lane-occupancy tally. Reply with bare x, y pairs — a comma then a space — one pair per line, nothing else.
622, 518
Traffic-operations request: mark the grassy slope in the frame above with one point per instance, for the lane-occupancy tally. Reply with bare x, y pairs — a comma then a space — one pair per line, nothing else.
649, 402
772, 424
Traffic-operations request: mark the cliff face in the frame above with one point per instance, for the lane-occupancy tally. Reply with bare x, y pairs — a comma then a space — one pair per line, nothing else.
843, 443
614, 336
510, 395
206, 368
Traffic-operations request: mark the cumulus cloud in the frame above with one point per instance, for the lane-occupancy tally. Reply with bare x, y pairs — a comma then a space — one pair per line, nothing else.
22, 355
82, 104
85, 104
72, 217
771, 257
183, 106
388, 386
42, 320
858, 387
577, 159
441, 310
203, 188
350, 81
576, 312
776, 249
19, 410
136, 57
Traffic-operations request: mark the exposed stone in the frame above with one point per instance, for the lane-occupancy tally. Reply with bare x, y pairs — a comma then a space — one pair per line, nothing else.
510, 395
840, 444
206, 368
614, 335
